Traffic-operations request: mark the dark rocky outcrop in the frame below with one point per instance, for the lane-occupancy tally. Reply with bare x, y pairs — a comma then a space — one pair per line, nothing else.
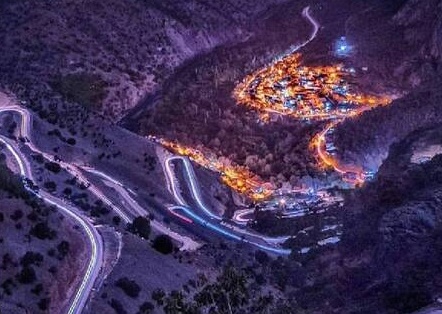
409, 61
392, 240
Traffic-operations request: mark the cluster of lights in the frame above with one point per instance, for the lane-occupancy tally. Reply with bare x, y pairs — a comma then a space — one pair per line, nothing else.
308, 93
350, 173
288, 88
237, 177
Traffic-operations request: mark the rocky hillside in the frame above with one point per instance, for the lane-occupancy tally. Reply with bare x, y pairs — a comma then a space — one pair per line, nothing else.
414, 63
392, 237
422, 25
376, 130
39, 251
389, 257
63, 44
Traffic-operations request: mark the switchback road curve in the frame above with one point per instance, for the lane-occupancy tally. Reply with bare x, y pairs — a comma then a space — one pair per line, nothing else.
80, 297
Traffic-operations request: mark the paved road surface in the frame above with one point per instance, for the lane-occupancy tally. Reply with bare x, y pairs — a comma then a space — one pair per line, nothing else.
94, 264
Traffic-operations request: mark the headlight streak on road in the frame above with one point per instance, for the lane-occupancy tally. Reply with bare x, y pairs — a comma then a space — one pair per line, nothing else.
269, 240
196, 191
93, 269
238, 216
316, 25
328, 160
96, 261
191, 175
191, 179
94, 265
323, 155
16, 156
173, 212
188, 244
202, 221
139, 211
172, 184
228, 234
72, 169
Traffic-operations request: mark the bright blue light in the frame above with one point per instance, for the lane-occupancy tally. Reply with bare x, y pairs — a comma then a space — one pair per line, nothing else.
342, 48
228, 234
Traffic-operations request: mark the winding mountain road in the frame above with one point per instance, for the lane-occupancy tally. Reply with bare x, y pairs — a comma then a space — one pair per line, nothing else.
79, 299
94, 264
216, 225
316, 26
188, 244
206, 217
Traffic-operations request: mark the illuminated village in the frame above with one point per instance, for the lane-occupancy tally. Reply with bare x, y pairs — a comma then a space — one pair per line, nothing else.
221, 156
286, 87
239, 178
321, 93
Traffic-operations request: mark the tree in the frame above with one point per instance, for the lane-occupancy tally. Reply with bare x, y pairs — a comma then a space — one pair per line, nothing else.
51, 186
63, 249
42, 231
146, 308
31, 258
38, 288
7, 286
176, 303
117, 306
407, 298
158, 296
17, 215
163, 244
43, 304
141, 227
38, 158
27, 275
53, 166
130, 287
262, 257
116, 220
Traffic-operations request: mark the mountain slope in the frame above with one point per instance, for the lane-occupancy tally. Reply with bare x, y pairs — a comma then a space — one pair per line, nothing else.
130, 46
392, 238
